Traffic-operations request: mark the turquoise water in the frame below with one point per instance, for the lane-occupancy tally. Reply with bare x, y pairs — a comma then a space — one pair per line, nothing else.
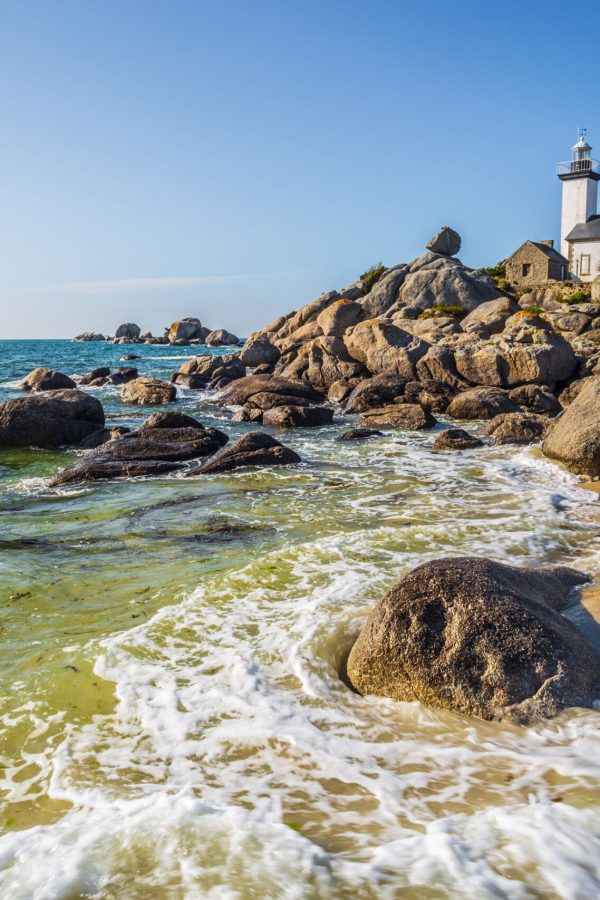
172, 720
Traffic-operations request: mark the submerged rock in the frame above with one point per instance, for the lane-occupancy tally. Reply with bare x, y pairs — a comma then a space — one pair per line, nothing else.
480, 638
574, 437
359, 434
253, 449
49, 419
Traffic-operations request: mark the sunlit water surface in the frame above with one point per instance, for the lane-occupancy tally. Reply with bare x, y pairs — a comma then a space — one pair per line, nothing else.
173, 723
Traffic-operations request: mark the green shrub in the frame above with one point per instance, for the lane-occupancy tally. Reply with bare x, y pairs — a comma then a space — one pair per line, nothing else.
498, 271
533, 311
372, 276
449, 310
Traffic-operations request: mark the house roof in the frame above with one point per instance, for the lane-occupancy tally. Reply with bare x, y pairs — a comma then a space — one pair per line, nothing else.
550, 252
586, 231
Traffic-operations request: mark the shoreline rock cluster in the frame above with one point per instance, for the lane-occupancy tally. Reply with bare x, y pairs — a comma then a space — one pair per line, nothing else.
182, 333
397, 348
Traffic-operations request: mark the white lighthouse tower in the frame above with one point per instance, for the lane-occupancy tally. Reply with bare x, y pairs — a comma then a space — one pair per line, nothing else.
580, 176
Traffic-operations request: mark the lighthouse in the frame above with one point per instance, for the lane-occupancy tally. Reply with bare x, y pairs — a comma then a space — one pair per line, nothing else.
580, 225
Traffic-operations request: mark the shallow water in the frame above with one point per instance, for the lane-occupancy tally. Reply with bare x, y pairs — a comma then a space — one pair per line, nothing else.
173, 723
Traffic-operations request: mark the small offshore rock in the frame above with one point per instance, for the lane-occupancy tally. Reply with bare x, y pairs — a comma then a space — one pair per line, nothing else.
46, 380
150, 391
456, 439
123, 374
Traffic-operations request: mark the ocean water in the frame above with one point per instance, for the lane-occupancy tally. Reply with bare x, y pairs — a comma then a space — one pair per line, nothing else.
172, 719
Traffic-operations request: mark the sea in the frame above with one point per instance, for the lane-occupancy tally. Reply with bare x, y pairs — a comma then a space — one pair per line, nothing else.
173, 719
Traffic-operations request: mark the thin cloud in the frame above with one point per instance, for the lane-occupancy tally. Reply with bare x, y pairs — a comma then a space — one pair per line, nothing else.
118, 285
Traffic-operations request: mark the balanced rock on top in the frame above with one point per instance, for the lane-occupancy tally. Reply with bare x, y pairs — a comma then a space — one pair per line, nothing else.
445, 241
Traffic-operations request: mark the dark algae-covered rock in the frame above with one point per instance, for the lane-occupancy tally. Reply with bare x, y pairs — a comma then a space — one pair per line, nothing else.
147, 451
480, 638
49, 419
253, 449
456, 439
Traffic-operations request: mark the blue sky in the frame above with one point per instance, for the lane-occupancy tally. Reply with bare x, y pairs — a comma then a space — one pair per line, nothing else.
232, 160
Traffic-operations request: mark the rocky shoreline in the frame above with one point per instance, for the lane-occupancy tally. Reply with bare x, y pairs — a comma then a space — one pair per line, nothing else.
397, 348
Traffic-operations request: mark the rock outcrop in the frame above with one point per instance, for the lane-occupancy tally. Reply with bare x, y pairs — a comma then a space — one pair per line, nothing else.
187, 330
221, 338
480, 638
49, 419
574, 437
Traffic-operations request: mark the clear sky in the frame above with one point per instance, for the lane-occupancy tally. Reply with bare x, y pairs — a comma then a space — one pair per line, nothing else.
232, 159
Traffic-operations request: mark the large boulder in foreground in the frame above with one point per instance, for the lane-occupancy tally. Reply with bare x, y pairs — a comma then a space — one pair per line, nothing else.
479, 638
49, 419
574, 438
253, 449
46, 380
149, 391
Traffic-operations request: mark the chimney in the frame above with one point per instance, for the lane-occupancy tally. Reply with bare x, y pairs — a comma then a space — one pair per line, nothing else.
547, 244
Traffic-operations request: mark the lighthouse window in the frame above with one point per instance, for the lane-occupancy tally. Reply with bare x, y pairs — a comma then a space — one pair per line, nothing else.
586, 260
526, 269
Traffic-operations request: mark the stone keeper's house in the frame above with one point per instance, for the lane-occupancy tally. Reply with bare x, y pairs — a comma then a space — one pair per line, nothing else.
535, 262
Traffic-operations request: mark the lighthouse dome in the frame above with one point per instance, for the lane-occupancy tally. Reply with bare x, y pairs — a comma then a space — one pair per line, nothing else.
581, 145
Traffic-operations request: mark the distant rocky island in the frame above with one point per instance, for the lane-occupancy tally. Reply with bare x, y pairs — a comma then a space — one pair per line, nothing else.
183, 333
397, 348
